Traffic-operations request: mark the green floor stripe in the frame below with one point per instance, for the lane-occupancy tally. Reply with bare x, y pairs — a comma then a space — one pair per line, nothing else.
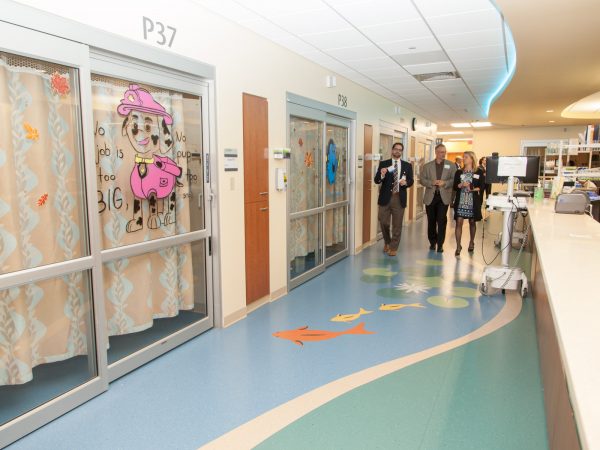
484, 395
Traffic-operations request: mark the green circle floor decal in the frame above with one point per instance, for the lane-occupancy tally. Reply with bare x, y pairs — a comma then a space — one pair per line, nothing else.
379, 272
448, 302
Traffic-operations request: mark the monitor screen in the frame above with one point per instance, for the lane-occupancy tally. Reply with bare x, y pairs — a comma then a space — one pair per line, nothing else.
531, 173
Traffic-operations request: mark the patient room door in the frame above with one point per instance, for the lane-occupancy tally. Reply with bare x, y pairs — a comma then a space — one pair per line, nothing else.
318, 192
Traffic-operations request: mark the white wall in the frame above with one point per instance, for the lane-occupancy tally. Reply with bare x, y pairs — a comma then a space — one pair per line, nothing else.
245, 62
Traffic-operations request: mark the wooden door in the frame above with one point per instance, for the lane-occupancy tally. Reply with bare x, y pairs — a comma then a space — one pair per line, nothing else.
256, 196
367, 183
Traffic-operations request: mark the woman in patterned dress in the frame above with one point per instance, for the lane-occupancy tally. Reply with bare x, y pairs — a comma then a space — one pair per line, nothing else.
468, 183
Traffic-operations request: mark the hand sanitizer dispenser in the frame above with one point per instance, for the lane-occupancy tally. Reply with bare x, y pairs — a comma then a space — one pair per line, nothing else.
280, 179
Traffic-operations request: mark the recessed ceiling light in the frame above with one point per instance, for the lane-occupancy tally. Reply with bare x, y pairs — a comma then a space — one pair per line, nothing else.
450, 132
412, 48
549, 110
481, 124
461, 139
460, 125
551, 121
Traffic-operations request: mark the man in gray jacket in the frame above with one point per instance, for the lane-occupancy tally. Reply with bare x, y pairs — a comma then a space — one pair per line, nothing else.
437, 177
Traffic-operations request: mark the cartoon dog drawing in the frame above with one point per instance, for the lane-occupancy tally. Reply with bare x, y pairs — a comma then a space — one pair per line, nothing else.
153, 177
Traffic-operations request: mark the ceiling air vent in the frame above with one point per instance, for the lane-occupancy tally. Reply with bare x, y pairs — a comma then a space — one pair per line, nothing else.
437, 76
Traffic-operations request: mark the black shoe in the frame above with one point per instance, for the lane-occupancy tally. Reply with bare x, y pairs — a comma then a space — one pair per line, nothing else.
458, 250
440, 249
432, 247
471, 248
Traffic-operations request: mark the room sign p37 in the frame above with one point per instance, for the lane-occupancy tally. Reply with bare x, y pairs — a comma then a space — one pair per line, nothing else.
165, 33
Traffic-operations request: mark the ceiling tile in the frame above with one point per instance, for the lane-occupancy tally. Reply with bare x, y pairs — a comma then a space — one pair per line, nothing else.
374, 64
472, 21
356, 53
489, 51
310, 22
421, 58
336, 39
230, 9
404, 47
375, 12
470, 39
430, 68
396, 73
432, 8
398, 31
487, 63
295, 44
273, 8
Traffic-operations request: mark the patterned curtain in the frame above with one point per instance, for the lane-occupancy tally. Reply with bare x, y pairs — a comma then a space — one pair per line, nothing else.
150, 286
306, 148
335, 221
40, 217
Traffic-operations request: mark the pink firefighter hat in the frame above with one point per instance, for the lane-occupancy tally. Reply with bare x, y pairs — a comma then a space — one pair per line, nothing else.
139, 99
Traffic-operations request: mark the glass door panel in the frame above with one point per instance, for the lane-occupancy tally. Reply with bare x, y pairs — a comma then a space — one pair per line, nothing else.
149, 164
305, 180
306, 243
336, 231
46, 342
151, 183
336, 165
153, 295
47, 336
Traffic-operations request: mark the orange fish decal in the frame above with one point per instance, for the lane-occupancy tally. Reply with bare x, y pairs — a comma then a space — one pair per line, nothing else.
308, 159
302, 334
42, 200
32, 133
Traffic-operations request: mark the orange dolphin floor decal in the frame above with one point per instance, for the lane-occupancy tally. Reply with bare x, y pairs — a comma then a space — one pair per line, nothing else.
303, 334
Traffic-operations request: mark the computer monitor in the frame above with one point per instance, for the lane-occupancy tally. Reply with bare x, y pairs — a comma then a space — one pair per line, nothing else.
531, 170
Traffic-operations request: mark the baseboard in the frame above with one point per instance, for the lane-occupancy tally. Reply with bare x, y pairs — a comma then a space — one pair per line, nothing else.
234, 317
279, 293
242, 313
365, 245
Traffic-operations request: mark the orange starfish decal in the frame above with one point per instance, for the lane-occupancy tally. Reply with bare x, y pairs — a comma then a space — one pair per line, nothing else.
60, 84
32, 133
308, 159
42, 200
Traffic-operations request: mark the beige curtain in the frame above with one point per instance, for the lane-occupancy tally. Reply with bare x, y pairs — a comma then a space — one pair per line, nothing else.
306, 148
150, 286
40, 218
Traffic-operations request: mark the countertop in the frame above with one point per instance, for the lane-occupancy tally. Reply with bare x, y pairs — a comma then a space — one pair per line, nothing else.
568, 249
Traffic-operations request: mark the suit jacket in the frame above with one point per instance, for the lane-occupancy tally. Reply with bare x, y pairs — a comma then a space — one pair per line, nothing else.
428, 176
478, 182
385, 191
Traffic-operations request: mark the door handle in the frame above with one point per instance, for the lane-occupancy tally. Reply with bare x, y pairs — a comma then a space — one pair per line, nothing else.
263, 193
264, 209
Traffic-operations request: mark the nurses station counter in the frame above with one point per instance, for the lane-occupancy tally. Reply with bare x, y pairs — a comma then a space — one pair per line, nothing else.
566, 293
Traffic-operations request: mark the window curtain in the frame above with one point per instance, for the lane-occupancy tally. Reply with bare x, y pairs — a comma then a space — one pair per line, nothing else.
149, 286
335, 222
40, 218
306, 147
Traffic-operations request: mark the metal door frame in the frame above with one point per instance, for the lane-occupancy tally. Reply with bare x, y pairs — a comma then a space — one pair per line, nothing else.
298, 106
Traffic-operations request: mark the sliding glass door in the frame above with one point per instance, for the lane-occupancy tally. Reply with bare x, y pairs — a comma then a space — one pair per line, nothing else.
318, 187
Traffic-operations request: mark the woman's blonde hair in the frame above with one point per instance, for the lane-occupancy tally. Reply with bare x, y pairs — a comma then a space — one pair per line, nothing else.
473, 157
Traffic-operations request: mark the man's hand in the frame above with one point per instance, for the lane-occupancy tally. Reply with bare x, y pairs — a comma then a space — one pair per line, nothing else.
383, 172
438, 183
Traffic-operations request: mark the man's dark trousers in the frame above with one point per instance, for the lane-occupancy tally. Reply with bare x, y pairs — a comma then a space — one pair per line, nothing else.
437, 219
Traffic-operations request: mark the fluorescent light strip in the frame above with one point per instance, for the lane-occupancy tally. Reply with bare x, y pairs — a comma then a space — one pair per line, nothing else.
461, 125
440, 133
481, 124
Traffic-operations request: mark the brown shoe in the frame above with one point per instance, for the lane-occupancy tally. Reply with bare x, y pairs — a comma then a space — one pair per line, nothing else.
393, 252
386, 248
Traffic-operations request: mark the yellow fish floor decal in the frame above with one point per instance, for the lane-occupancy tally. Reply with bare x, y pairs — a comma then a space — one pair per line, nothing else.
397, 306
350, 317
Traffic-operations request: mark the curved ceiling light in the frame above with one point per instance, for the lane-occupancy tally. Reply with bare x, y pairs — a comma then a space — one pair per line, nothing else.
511, 55
585, 108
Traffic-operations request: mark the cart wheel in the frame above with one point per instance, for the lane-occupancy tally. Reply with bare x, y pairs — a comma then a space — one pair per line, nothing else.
524, 292
503, 291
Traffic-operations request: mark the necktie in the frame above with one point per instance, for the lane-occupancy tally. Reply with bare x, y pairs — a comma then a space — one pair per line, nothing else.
396, 188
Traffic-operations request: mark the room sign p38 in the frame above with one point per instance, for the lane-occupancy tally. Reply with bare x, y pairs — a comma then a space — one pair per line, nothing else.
342, 101
165, 33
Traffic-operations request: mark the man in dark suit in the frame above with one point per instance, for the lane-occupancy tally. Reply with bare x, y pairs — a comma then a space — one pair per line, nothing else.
395, 177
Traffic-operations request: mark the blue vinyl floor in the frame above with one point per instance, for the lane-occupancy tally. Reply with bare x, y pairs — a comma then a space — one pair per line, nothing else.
226, 377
